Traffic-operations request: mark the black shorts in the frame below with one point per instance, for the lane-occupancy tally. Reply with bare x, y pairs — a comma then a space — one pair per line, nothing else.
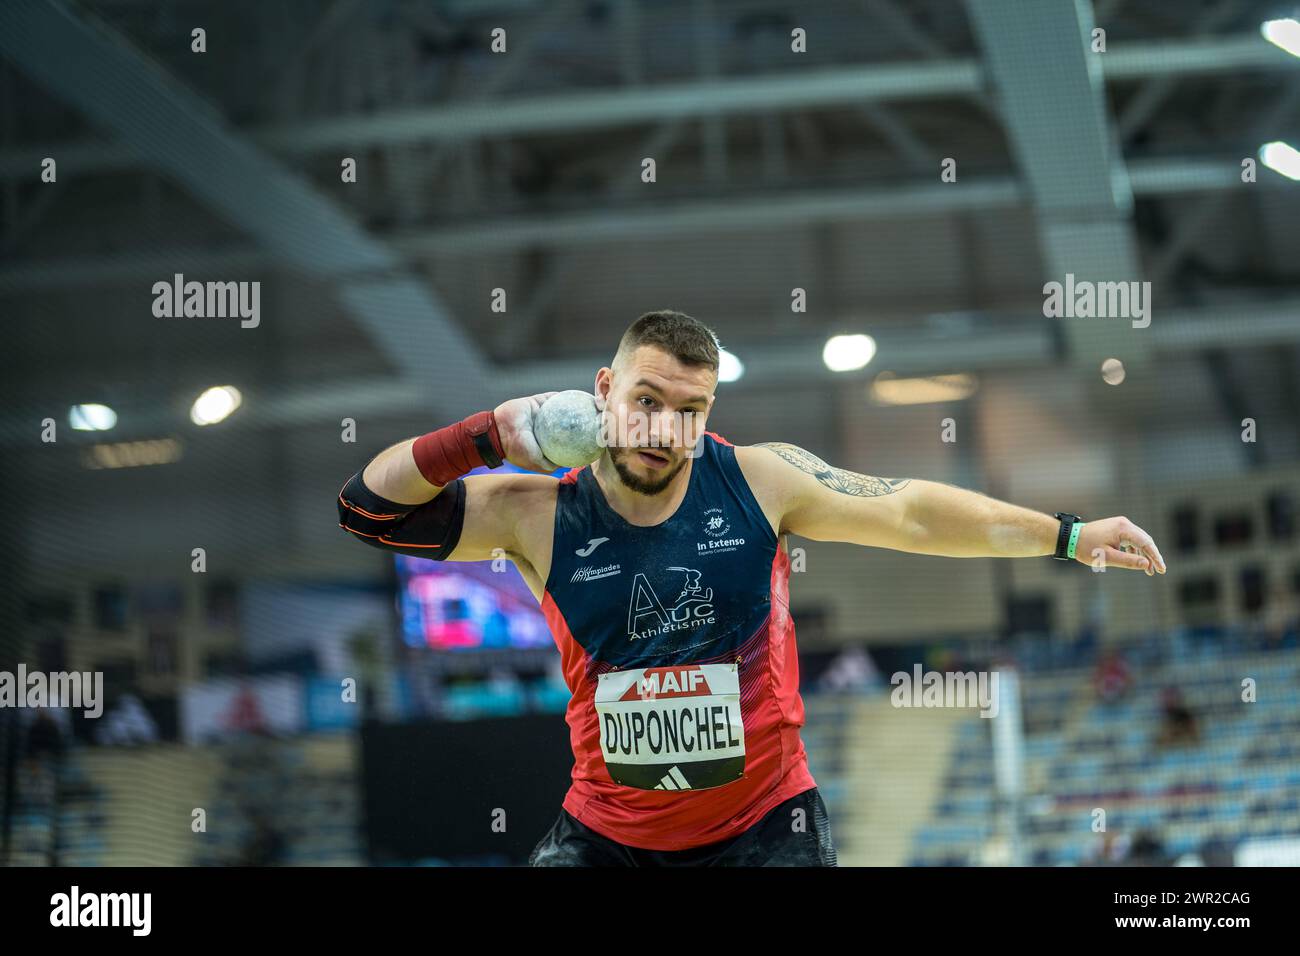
784, 837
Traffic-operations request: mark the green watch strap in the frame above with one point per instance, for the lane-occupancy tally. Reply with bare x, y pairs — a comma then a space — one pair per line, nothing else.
1074, 538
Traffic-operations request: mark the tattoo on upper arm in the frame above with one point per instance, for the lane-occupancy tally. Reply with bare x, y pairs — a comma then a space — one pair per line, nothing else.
836, 479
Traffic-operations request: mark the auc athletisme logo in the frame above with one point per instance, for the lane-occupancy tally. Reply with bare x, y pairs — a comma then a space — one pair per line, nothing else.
648, 616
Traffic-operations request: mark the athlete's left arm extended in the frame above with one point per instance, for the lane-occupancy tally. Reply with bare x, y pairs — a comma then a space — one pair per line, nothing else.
824, 503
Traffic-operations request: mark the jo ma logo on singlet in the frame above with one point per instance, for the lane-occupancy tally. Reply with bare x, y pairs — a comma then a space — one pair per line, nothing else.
648, 616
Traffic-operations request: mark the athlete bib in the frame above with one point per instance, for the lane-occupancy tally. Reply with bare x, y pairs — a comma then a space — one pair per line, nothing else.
672, 728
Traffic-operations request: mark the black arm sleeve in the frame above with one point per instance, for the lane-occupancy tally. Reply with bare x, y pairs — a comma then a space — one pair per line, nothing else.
430, 530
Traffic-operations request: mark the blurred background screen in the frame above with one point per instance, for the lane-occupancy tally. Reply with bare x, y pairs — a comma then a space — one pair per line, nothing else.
468, 605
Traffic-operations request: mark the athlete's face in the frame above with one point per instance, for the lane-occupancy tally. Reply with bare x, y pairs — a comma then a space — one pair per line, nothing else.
655, 412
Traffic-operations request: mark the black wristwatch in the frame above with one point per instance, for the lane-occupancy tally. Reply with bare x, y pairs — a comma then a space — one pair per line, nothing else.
1063, 549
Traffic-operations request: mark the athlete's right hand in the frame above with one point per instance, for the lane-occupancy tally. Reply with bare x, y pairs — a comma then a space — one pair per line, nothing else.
515, 426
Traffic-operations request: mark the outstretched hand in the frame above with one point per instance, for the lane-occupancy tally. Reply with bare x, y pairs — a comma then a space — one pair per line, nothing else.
1118, 543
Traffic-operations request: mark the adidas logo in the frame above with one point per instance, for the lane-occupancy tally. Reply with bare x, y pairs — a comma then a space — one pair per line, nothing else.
673, 780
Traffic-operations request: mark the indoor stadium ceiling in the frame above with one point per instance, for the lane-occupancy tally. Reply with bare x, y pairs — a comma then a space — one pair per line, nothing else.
479, 172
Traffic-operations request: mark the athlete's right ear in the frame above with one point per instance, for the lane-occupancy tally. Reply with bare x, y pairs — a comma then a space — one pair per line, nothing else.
604, 381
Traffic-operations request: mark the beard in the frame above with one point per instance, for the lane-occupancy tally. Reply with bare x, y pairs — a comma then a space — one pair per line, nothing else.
633, 481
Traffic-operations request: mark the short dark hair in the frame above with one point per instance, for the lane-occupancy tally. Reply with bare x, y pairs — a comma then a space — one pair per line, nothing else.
688, 340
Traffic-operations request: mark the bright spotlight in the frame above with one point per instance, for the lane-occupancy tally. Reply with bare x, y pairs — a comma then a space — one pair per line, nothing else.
730, 368
92, 418
1284, 34
1112, 371
215, 404
1282, 158
847, 353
